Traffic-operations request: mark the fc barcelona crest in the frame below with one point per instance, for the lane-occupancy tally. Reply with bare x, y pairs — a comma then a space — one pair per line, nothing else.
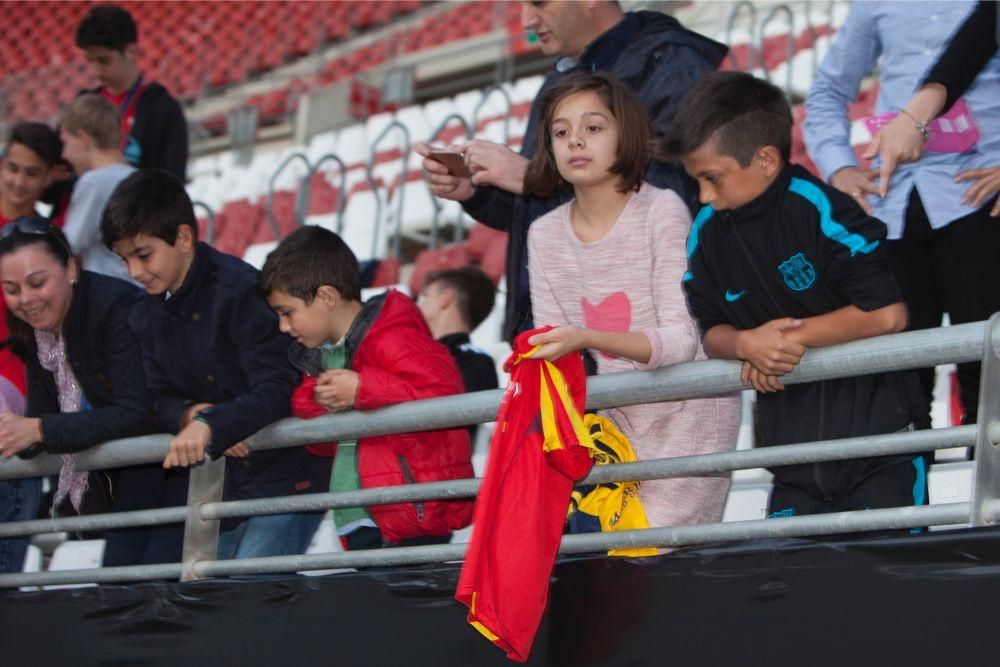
798, 272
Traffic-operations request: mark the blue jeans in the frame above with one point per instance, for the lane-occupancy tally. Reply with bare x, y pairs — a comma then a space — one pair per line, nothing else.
277, 535
19, 500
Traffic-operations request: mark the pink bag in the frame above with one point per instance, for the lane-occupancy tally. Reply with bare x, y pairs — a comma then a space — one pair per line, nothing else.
953, 132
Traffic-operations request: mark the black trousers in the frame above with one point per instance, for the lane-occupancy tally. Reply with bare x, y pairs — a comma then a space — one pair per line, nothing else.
901, 485
140, 488
954, 270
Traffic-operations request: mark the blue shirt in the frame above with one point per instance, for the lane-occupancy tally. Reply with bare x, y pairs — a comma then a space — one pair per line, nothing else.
909, 37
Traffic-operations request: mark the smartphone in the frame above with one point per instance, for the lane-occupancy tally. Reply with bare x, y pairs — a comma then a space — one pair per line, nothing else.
455, 162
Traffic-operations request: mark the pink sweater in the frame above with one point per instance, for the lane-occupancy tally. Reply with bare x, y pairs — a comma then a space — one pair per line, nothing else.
630, 280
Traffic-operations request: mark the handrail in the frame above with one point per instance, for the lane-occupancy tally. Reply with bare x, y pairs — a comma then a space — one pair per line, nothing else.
305, 190
731, 23
394, 125
210, 220
489, 90
954, 344
680, 466
438, 207
780, 9
913, 349
269, 202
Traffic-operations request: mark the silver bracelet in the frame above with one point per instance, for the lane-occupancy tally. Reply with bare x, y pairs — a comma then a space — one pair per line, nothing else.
921, 127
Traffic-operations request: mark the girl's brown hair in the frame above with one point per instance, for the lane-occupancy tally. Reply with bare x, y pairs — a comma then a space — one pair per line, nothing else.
635, 142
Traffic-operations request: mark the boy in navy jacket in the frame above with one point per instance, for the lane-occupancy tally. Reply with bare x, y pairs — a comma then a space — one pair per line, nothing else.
213, 357
778, 263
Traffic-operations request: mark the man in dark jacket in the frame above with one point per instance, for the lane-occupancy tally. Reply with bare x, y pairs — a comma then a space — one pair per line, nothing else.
154, 128
651, 52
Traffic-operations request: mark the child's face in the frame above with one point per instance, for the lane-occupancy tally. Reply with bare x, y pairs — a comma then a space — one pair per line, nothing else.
722, 181
23, 178
158, 266
584, 137
114, 69
310, 324
76, 150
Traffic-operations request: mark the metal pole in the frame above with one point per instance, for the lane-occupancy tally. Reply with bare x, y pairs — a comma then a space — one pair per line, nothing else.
674, 536
914, 349
306, 189
987, 472
435, 221
680, 466
269, 202
201, 537
107, 521
394, 125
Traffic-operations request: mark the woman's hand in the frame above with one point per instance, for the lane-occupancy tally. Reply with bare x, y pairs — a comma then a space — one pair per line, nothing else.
856, 183
18, 433
897, 143
559, 342
987, 184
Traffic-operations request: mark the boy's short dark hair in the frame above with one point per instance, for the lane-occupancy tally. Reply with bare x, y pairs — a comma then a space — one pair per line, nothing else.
108, 26
152, 202
307, 259
475, 292
634, 138
40, 138
739, 112
94, 115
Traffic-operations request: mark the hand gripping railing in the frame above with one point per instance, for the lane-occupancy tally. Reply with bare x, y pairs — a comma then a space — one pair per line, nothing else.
956, 344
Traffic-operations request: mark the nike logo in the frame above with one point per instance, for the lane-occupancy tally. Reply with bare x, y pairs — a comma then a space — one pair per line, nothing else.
734, 296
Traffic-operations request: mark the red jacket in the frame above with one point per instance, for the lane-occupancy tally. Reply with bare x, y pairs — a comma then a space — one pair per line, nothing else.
397, 359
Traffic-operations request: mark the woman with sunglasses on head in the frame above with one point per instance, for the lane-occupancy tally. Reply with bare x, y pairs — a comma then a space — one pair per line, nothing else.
85, 382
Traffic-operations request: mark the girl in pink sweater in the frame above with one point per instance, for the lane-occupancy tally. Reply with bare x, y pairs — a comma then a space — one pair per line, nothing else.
606, 271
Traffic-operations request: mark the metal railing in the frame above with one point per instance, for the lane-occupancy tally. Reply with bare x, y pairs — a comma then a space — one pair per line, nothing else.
955, 344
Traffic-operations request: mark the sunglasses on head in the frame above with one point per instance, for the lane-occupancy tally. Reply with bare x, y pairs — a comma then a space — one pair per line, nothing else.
34, 226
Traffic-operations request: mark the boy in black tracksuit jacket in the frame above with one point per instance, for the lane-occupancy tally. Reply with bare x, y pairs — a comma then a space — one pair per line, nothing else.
778, 262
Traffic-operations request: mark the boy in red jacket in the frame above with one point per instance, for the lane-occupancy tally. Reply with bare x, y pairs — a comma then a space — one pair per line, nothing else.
365, 356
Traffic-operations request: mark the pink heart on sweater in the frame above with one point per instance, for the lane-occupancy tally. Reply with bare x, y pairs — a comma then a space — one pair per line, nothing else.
613, 314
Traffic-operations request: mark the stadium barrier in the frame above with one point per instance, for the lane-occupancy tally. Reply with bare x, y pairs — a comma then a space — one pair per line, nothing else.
954, 344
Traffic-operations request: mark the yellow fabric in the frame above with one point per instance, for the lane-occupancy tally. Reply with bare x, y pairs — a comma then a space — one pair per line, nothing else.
479, 626
616, 505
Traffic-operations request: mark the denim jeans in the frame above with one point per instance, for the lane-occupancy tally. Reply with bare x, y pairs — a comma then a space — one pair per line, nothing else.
19, 499
277, 535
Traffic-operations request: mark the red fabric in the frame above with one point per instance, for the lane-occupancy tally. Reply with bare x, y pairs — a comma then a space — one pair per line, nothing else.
522, 503
305, 407
398, 360
11, 367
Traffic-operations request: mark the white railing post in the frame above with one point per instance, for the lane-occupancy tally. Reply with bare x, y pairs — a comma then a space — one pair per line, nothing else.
201, 537
986, 477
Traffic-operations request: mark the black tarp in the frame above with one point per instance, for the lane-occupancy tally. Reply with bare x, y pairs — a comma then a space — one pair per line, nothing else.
927, 599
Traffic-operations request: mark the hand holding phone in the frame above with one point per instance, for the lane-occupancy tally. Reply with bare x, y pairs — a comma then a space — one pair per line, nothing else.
454, 161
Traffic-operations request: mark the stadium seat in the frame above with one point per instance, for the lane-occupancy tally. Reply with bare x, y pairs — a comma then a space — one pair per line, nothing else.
255, 255
76, 555
747, 502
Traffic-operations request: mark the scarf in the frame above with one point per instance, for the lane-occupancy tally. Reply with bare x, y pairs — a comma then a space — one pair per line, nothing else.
52, 357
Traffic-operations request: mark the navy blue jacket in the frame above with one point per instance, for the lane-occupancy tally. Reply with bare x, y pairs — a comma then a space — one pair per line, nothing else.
803, 249
661, 61
102, 353
216, 341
